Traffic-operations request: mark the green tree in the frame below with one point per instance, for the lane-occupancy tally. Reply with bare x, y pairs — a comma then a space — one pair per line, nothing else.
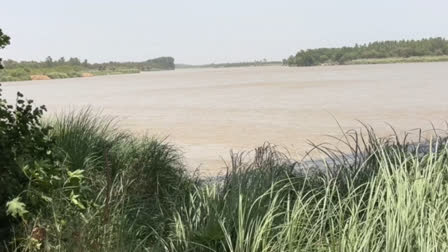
23, 142
61, 60
4, 41
49, 61
74, 61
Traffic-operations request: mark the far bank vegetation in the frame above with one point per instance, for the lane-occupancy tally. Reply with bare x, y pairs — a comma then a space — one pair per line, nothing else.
74, 67
424, 50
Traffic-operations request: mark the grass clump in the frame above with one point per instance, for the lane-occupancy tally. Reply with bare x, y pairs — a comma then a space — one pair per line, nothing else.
132, 181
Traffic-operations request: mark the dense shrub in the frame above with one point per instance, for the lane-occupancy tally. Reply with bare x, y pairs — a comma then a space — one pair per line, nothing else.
24, 142
74, 74
15, 74
108, 189
57, 75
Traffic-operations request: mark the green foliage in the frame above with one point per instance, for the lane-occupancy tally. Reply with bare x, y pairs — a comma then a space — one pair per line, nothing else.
54, 197
24, 142
375, 50
162, 63
15, 74
56, 75
85, 137
73, 74
4, 41
111, 190
100, 189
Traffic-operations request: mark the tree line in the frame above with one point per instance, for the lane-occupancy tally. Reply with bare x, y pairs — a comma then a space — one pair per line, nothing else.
74, 67
162, 63
376, 50
263, 62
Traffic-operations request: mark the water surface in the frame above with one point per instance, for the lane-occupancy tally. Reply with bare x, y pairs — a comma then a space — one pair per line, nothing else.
207, 112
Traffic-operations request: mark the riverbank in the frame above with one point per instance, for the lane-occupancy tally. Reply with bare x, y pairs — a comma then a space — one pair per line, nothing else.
73, 68
9, 75
417, 59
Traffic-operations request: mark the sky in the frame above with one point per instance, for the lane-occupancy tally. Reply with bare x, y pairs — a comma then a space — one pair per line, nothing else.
208, 31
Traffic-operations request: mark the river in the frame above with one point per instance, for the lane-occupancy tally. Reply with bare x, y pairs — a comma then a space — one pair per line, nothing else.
208, 112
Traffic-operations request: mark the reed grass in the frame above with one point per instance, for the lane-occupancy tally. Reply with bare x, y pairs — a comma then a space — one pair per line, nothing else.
386, 195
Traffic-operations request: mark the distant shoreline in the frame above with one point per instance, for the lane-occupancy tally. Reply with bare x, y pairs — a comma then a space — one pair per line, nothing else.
391, 60
392, 51
396, 60
58, 76
234, 64
73, 68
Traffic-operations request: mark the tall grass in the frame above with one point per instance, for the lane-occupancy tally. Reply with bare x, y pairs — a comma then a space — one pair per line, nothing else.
127, 186
400, 206
383, 194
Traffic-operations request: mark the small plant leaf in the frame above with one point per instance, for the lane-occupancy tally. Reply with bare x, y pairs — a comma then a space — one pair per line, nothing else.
46, 198
76, 174
16, 208
75, 201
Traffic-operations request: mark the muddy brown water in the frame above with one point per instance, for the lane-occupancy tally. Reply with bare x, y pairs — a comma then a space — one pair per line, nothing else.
208, 112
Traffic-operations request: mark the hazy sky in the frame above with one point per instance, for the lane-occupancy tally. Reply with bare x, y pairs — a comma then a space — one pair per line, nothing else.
208, 31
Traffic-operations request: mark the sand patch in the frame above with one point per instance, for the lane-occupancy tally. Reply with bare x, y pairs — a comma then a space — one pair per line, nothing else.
87, 75
39, 77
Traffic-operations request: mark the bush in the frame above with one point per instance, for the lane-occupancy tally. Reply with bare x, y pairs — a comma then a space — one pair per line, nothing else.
24, 142
57, 75
108, 192
74, 74
18, 73
15, 74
